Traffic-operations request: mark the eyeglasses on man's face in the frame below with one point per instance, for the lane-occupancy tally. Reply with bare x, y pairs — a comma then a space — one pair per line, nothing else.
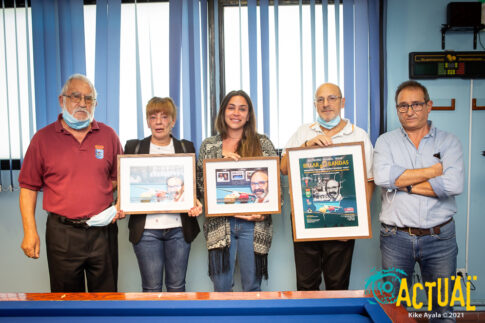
415, 106
260, 183
174, 187
331, 99
77, 97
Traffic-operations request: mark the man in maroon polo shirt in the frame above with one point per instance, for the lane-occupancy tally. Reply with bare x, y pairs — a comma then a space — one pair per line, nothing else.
74, 162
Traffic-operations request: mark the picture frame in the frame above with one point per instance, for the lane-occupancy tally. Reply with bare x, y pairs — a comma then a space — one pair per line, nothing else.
328, 192
154, 183
247, 186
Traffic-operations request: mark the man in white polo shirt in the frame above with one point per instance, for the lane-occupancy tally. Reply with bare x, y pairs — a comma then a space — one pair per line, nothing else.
333, 258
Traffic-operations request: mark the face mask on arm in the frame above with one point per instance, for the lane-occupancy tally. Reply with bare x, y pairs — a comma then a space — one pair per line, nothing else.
102, 219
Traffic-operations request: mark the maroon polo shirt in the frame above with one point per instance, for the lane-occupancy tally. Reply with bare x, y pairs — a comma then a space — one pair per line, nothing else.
75, 177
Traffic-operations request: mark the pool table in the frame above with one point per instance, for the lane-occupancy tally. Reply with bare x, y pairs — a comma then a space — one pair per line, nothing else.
316, 306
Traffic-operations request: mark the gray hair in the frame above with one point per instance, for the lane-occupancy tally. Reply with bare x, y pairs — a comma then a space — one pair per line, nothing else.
176, 177
82, 78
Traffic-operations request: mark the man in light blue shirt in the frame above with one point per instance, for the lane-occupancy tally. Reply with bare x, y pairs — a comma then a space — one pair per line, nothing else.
420, 170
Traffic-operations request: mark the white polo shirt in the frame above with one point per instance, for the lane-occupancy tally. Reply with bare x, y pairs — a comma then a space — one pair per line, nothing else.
350, 133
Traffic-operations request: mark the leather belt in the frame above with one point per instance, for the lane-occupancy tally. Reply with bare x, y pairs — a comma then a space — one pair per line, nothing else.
77, 223
424, 232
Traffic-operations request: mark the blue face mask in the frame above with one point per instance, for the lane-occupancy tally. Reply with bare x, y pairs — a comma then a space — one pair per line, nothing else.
73, 122
329, 124
102, 219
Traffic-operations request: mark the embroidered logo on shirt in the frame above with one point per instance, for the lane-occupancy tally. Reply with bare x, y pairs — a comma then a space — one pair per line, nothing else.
99, 151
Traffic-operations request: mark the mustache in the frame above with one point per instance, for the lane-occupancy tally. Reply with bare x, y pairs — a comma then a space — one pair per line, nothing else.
81, 109
258, 190
90, 115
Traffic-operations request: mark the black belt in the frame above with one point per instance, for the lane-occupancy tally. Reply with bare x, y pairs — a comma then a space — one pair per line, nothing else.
424, 232
77, 223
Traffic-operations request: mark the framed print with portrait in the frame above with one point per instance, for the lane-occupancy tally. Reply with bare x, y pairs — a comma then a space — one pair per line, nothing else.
328, 192
149, 183
246, 186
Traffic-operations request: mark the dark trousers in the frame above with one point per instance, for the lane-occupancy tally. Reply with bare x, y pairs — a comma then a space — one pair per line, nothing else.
73, 252
332, 258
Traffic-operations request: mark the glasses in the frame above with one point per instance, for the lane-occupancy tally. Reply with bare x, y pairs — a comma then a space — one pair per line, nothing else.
260, 183
415, 106
331, 99
77, 97
177, 187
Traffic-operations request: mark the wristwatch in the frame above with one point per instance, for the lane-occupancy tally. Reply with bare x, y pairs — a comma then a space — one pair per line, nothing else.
409, 188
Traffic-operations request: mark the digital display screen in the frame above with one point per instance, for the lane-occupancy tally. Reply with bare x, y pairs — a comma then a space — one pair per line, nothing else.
430, 65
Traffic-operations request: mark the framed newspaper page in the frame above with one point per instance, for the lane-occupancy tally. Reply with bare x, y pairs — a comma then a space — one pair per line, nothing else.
149, 183
328, 192
246, 186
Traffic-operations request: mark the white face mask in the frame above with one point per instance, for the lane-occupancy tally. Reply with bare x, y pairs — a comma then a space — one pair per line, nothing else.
329, 124
75, 123
102, 219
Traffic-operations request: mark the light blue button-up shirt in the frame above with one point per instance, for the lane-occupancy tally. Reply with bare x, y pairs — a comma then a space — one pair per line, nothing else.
394, 153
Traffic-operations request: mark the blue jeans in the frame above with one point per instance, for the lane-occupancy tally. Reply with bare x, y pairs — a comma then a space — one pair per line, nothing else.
159, 249
242, 233
436, 255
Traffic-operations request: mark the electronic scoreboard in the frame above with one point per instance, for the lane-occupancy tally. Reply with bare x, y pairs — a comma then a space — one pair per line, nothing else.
448, 64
